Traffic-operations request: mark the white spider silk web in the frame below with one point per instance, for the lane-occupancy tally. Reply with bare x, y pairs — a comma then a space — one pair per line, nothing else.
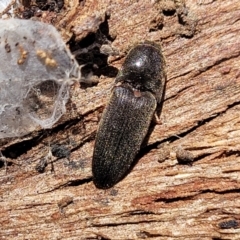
35, 69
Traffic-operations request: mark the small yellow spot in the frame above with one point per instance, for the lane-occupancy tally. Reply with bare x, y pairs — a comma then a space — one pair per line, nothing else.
42, 54
50, 62
47, 58
20, 61
23, 55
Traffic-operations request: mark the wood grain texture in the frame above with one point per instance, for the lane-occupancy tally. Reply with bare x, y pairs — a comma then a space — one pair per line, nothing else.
159, 199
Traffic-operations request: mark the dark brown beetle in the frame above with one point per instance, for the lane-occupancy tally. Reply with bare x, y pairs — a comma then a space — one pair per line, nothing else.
138, 89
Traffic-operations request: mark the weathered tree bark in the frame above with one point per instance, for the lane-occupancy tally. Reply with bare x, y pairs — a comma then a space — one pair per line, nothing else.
159, 198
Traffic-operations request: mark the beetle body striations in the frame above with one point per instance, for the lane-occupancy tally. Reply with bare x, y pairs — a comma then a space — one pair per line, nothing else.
126, 119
